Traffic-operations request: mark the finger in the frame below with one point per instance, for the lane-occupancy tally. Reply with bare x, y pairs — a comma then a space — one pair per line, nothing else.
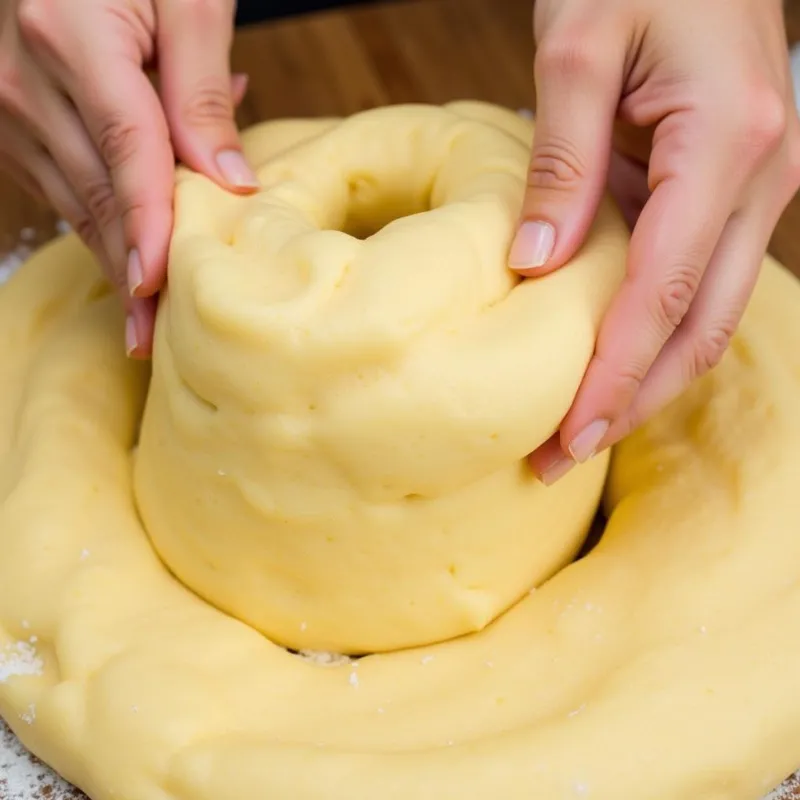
139, 326
124, 117
239, 83
696, 188
578, 85
194, 43
29, 158
702, 339
54, 122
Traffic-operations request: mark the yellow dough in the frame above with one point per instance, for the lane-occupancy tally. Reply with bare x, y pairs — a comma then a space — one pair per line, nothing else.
334, 438
330, 453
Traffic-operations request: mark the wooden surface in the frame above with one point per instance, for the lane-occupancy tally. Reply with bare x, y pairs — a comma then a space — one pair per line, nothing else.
410, 50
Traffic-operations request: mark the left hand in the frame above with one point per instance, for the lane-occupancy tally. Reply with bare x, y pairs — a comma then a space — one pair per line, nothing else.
701, 94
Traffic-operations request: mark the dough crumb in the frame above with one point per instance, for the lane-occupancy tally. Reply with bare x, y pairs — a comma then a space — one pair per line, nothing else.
29, 716
17, 659
323, 658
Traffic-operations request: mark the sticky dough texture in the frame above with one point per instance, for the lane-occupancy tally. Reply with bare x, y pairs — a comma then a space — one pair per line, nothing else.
662, 665
334, 439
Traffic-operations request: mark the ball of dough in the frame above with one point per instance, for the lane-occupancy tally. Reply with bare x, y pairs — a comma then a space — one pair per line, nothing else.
347, 379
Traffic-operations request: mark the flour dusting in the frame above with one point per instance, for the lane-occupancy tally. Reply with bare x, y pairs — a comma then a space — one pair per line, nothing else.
19, 658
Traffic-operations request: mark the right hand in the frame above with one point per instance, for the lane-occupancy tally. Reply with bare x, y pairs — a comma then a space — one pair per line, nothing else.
83, 127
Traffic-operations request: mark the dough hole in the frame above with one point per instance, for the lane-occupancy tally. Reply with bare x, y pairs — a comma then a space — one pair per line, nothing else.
372, 206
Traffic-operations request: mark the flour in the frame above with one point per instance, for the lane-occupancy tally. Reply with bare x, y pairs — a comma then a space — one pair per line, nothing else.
19, 658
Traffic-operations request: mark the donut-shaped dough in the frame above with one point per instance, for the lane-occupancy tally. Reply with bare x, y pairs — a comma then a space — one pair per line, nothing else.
334, 441
663, 664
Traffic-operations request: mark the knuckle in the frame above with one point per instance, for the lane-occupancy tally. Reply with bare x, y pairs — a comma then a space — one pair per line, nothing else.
710, 348
35, 20
570, 54
100, 201
624, 378
764, 120
84, 226
117, 141
675, 295
556, 164
209, 104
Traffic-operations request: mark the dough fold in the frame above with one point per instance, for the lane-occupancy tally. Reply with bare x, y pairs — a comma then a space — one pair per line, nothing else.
660, 665
347, 379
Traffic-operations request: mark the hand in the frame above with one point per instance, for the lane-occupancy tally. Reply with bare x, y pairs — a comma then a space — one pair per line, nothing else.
82, 126
701, 92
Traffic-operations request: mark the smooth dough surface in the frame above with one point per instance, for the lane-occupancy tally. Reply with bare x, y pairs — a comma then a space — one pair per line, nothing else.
663, 665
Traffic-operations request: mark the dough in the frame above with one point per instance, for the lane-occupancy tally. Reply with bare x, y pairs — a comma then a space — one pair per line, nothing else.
661, 665
334, 441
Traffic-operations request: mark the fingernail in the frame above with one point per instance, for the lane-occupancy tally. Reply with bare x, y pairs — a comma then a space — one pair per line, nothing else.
533, 245
236, 170
131, 339
585, 444
135, 275
239, 81
556, 471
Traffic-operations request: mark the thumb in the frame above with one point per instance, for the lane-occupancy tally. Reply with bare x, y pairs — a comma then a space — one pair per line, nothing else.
194, 41
578, 86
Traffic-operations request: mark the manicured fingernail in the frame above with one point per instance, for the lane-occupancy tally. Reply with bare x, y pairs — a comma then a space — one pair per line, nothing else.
585, 444
533, 245
135, 275
131, 338
556, 471
236, 170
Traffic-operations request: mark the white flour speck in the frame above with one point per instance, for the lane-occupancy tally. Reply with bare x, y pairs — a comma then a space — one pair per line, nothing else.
323, 658
576, 711
85, 553
29, 716
426, 660
17, 659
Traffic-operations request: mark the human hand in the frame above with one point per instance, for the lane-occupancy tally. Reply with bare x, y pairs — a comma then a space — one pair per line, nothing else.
703, 94
82, 126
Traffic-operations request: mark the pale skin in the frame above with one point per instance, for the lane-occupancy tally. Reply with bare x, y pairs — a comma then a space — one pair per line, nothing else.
683, 109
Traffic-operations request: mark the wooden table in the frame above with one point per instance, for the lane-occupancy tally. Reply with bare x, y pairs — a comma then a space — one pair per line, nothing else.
414, 50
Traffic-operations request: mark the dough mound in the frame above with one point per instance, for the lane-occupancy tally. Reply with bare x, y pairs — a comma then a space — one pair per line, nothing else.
347, 379
663, 664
